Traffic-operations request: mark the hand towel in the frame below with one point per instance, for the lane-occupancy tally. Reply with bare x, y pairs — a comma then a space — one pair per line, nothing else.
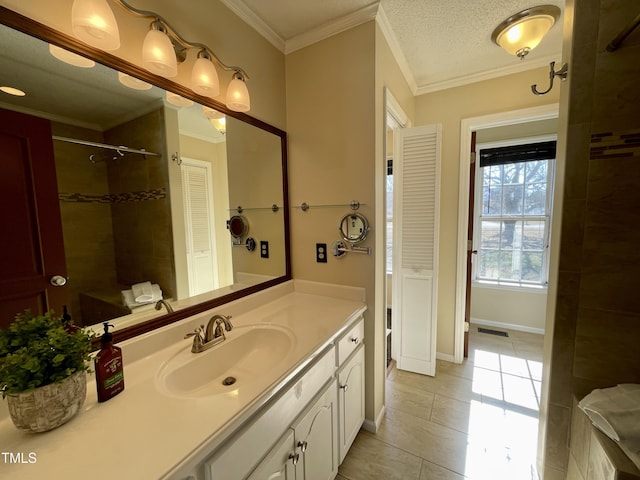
142, 292
616, 411
130, 302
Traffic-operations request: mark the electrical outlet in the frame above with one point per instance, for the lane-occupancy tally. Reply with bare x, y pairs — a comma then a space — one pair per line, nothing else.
321, 252
264, 249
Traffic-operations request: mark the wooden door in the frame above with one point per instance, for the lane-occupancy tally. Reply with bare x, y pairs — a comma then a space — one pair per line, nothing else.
416, 208
32, 246
470, 250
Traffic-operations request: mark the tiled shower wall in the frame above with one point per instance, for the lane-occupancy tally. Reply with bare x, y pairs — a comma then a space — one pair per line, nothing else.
597, 317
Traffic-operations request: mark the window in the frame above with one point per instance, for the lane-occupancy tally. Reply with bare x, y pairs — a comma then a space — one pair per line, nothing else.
513, 213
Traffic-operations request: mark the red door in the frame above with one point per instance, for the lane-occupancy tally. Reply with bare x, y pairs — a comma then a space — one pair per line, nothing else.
32, 249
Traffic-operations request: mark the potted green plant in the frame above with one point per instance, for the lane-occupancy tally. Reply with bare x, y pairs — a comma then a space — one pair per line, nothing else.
43, 365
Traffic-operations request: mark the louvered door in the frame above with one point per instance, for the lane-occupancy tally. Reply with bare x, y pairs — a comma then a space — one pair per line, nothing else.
200, 241
415, 256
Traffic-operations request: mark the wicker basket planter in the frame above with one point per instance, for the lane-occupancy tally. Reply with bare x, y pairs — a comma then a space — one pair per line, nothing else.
50, 406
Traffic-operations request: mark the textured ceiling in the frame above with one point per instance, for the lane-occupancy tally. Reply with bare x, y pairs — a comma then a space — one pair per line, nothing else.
438, 43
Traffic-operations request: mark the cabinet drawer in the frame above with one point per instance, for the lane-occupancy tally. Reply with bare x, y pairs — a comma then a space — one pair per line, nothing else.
350, 341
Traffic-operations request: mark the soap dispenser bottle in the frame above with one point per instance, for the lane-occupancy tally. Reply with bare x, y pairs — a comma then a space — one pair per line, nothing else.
109, 369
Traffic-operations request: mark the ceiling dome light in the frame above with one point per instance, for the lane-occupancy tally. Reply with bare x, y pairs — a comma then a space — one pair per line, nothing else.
237, 94
133, 82
92, 21
69, 57
522, 32
13, 91
204, 77
177, 100
220, 124
158, 55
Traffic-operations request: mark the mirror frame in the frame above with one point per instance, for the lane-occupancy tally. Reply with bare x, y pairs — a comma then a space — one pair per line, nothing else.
47, 34
345, 235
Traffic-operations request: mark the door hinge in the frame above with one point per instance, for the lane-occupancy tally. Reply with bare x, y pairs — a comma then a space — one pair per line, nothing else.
472, 158
469, 245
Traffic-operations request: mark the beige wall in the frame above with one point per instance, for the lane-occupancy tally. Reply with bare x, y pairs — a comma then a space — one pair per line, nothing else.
516, 309
449, 107
594, 317
331, 127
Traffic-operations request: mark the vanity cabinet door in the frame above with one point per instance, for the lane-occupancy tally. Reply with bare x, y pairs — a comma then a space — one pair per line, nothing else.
279, 464
351, 400
316, 437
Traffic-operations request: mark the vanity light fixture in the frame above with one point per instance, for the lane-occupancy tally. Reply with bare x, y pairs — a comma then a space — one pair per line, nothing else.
163, 49
92, 21
522, 32
133, 82
71, 58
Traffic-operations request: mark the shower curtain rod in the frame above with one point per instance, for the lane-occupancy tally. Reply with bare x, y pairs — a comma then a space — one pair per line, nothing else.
119, 149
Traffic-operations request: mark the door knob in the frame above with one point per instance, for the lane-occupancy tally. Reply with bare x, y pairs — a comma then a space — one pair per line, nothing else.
58, 281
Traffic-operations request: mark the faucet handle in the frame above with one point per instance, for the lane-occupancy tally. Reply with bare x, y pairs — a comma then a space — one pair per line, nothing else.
196, 333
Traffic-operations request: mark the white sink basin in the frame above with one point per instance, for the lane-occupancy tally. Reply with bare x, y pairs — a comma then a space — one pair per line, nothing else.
245, 358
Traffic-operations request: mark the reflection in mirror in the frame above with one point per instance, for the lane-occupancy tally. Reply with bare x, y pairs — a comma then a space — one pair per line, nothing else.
153, 214
354, 227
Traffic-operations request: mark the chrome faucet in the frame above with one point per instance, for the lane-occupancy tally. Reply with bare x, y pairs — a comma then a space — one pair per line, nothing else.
160, 303
213, 334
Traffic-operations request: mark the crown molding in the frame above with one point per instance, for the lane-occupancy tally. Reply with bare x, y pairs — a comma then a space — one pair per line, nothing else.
396, 51
327, 30
255, 22
521, 66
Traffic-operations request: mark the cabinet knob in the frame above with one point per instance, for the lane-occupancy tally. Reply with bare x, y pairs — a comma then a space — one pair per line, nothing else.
302, 446
355, 340
294, 457
344, 387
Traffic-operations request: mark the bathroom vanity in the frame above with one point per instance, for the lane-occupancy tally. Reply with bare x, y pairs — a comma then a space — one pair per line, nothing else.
282, 395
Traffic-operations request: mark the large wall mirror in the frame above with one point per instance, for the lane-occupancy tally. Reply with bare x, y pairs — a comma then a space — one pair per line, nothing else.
147, 176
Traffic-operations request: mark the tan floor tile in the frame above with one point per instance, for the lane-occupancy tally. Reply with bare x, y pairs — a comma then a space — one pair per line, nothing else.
464, 369
432, 442
372, 459
412, 400
451, 386
431, 471
451, 413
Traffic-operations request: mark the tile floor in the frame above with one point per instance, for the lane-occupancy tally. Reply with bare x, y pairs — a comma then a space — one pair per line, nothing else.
477, 420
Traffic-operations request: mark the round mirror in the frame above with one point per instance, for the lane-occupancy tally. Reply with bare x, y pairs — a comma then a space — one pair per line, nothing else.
354, 227
238, 226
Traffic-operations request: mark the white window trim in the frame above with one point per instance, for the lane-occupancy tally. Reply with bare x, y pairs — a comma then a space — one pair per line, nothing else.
503, 284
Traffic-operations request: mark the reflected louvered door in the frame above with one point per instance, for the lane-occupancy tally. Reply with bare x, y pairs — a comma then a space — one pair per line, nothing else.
198, 208
415, 256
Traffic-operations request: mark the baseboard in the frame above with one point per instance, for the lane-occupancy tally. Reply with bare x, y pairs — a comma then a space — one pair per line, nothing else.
373, 427
510, 326
445, 356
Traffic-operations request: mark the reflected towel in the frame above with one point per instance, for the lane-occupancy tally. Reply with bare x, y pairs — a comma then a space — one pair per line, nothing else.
142, 292
616, 411
129, 301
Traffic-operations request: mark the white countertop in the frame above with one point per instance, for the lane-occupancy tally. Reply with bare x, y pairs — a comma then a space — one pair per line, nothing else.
145, 434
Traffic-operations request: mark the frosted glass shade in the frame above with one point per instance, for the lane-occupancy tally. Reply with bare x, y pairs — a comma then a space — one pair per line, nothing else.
177, 100
204, 78
211, 113
69, 57
133, 82
238, 95
525, 35
158, 55
92, 21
